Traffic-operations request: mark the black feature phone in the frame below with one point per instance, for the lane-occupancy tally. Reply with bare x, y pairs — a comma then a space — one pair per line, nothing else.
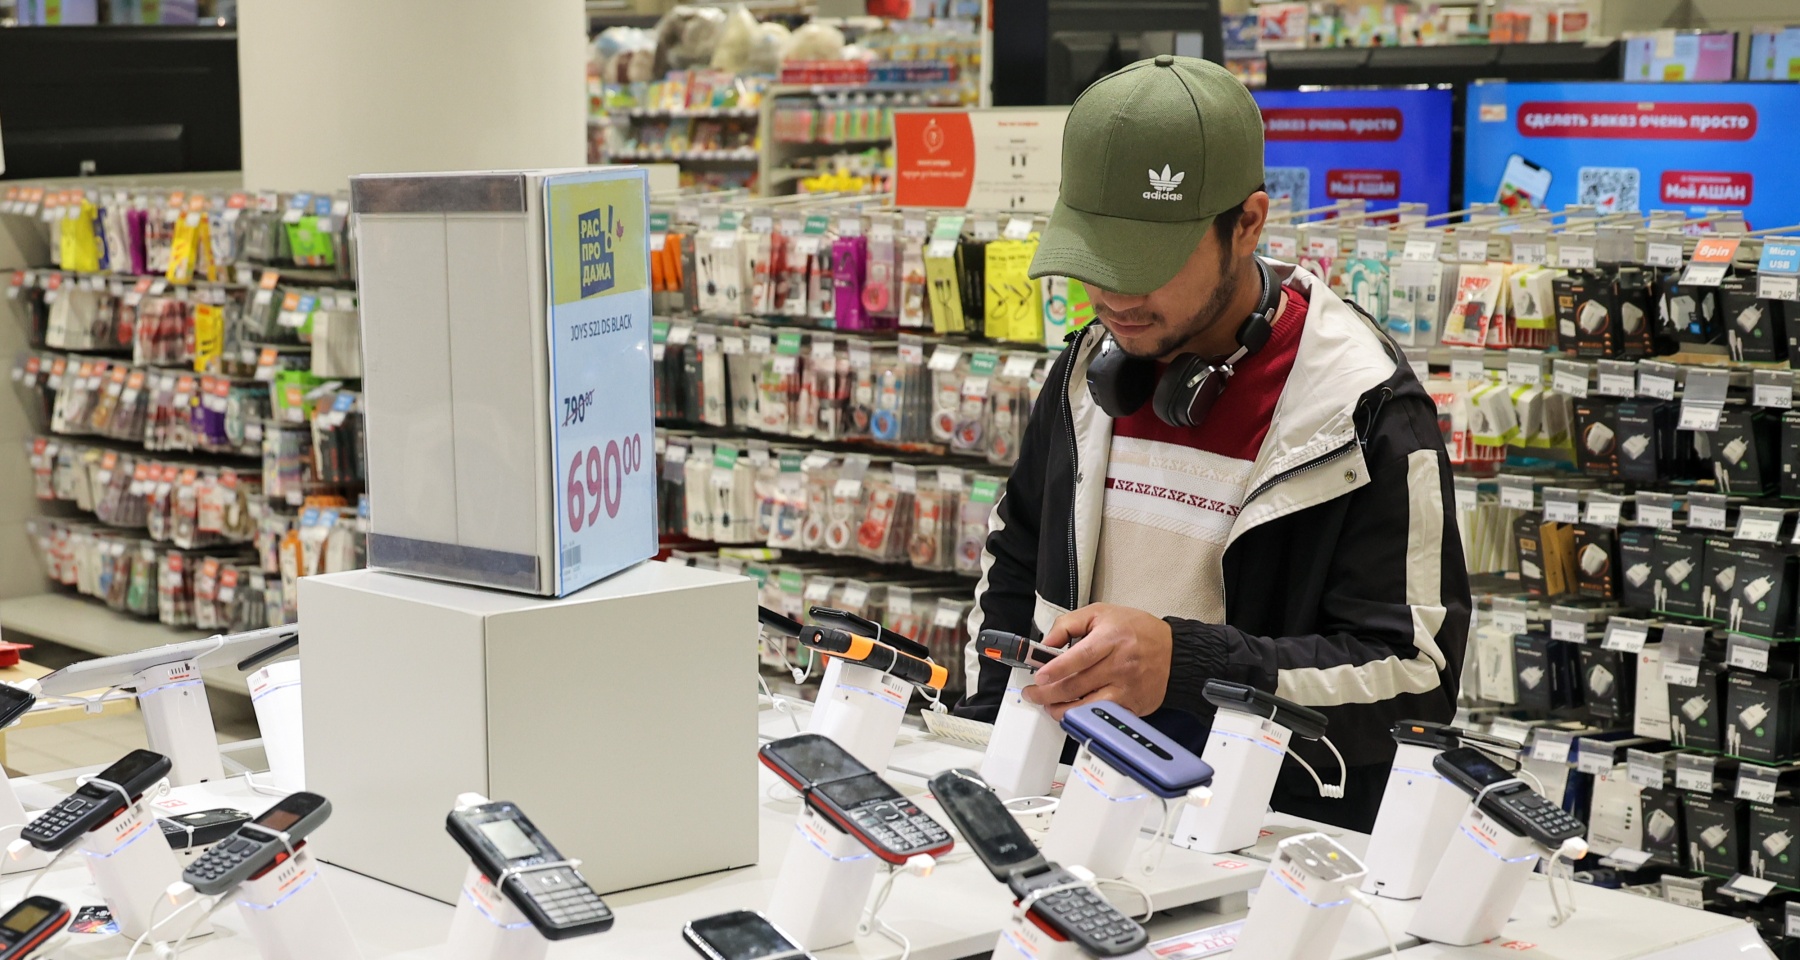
1515, 805
556, 899
96, 801
25, 927
741, 935
1305, 722
202, 827
258, 845
855, 798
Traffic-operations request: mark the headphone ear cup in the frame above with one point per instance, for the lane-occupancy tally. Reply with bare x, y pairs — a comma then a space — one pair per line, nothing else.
1119, 382
1174, 400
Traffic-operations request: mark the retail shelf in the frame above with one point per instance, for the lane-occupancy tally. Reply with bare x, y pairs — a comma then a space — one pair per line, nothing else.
820, 89
89, 626
740, 155
700, 112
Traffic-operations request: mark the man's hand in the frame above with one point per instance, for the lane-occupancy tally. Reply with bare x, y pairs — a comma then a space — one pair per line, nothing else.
1123, 656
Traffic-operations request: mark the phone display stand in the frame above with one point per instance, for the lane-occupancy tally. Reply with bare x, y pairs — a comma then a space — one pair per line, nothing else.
275, 695
486, 925
133, 866
1026, 744
1245, 752
1419, 813
292, 915
1300, 909
823, 884
860, 709
1476, 885
178, 721
1097, 822
12, 811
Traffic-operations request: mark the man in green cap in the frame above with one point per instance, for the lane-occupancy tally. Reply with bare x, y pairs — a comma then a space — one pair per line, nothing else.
1293, 530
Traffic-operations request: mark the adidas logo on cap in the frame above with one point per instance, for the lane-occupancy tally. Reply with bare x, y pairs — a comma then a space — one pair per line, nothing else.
1162, 185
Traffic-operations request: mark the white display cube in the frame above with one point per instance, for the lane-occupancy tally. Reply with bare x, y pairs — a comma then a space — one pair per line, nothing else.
621, 719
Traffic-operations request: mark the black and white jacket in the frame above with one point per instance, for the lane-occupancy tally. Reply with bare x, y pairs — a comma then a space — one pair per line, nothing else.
1345, 588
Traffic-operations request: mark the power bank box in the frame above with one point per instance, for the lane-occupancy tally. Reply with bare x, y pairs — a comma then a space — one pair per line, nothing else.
1715, 833
1596, 438
1608, 684
1679, 559
1694, 711
1759, 716
1774, 829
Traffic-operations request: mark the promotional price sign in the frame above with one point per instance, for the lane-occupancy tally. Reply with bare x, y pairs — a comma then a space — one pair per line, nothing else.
1630, 147
1382, 146
602, 405
996, 159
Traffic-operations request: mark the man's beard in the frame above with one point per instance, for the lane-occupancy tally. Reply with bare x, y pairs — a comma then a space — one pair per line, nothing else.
1210, 313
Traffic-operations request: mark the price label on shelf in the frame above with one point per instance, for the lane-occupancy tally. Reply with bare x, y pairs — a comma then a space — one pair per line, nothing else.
1706, 511
1711, 261
1663, 253
1693, 772
1422, 247
1467, 492
1773, 389
1777, 288
1645, 769
1570, 378
1602, 509
1284, 245
1530, 252
1516, 492
1625, 635
1656, 380
1568, 624
1552, 746
1756, 784
1472, 249
1762, 524
1525, 368
1509, 616
1562, 505
1594, 757
1510, 730
1703, 402
1681, 674
1747, 653
1575, 255
1618, 378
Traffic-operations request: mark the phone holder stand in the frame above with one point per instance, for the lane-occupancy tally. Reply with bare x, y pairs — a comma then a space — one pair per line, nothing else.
1245, 752
1099, 818
12, 811
291, 914
823, 884
860, 708
1476, 885
486, 925
178, 721
1026, 744
275, 695
1419, 813
133, 866
1302, 904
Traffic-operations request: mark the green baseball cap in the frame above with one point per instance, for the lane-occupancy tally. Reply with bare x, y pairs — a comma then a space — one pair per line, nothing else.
1151, 154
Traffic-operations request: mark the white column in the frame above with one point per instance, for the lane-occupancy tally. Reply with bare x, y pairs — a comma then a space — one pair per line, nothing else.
334, 88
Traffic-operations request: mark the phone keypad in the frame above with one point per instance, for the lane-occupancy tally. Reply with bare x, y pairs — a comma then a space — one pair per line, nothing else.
224, 858
57, 820
899, 826
563, 896
1543, 819
1086, 917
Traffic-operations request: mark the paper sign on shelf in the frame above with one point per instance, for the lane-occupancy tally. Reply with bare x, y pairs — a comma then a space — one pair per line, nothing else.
993, 159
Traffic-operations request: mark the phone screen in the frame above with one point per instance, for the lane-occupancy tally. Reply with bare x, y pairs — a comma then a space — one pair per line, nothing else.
743, 935
133, 765
1523, 186
1477, 765
13, 702
815, 759
984, 822
508, 838
856, 791
289, 811
24, 918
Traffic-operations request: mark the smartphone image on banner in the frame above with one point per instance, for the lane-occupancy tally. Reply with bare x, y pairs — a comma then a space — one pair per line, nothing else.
1523, 186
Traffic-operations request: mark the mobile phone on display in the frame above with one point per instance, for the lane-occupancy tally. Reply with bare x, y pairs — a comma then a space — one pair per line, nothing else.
25, 927
777, 623
258, 845
1014, 650
1523, 186
1078, 913
855, 798
741, 935
497, 838
851, 623
202, 827
1137, 749
1427, 733
1515, 805
96, 802
1305, 722
871, 653
14, 703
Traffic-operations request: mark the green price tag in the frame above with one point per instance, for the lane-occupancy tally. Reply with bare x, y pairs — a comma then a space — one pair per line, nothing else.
659, 223
984, 490
791, 581
816, 225
788, 342
725, 457
983, 364
659, 331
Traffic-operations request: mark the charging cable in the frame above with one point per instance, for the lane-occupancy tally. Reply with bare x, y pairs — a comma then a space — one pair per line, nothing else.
19, 846
1362, 899
177, 893
779, 704
1149, 908
918, 865
1328, 791
1165, 832
1572, 849
181, 944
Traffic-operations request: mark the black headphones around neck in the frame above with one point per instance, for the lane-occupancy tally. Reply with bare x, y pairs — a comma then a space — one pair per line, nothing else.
1185, 393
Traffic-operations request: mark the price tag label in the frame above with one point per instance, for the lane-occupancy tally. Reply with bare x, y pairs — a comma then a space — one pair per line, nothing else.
1511, 730
1777, 288
1681, 674
1472, 249
1552, 746
1530, 252
1684, 893
1749, 889
1656, 380
1772, 388
1570, 378
1464, 367
1693, 772
1516, 493
1568, 631
1525, 368
1371, 248
1594, 757
1467, 490
1625, 635
1562, 505
1762, 524
1284, 246
1575, 256
1602, 510
1663, 253
1627, 857
1747, 653
1756, 784
1712, 259
1706, 511
1703, 402
1791, 914
1509, 616
1645, 769
1421, 250
1618, 378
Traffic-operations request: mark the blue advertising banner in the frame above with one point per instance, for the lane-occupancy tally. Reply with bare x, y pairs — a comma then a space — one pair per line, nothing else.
1380, 145
1635, 146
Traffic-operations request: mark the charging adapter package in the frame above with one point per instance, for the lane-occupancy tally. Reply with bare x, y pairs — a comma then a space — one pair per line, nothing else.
1647, 439
1665, 826
1615, 815
1531, 558
1694, 712
1609, 684
1639, 334
1547, 672
1760, 716
1596, 573
1679, 563
1596, 438
1689, 312
1719, 576
1774, 827
1716, 829
1789, 481
1637, 567
1761, 600
1650, 709
1754, 330
1745, 451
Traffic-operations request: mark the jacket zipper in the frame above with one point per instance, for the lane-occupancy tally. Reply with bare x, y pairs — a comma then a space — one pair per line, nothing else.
1074, 343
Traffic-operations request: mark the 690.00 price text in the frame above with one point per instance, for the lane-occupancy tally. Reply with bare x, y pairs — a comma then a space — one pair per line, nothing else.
597, 479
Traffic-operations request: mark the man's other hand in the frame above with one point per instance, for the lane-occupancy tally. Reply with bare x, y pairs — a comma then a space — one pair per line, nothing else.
1123, 656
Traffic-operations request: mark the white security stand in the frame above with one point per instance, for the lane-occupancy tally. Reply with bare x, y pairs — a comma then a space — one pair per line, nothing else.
1419, 813
1026, 744
178, 721
823, 884
133, 866
13, 812
275, 694
1300, 909
486, 925
1245, 752
1476, 885
292, 915
860, 709
1097, 822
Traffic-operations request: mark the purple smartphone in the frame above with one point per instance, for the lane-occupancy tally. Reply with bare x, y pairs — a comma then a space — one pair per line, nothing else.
1137, 749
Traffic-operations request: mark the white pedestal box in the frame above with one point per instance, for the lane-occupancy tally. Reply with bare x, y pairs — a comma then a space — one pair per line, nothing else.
622, 717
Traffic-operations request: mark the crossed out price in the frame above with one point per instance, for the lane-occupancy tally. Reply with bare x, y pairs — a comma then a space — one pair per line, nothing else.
598, 476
